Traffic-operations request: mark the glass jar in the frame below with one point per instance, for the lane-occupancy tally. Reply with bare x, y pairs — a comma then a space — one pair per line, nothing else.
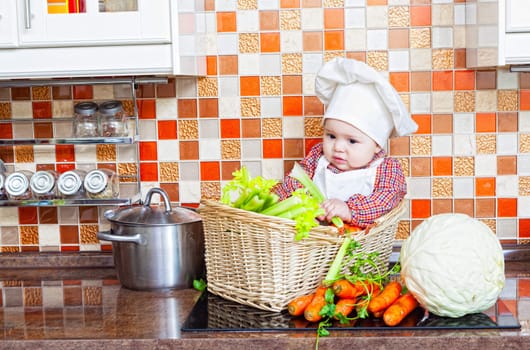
86, 120
101, 184
3, 193
44, 184
17, 185
113, 119
70, 184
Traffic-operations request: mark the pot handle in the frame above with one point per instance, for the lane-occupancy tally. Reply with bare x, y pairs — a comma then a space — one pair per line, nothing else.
162, 194
107, 236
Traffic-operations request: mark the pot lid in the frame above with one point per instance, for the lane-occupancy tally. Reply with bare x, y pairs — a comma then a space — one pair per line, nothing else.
152, 215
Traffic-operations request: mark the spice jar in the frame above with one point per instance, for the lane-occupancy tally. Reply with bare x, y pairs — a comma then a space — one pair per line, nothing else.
101, 184
113, 119
86, 120
3, 193
70, 184
43, 184
17, 185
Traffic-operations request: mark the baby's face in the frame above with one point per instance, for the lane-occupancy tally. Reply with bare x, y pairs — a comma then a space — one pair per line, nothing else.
347, 147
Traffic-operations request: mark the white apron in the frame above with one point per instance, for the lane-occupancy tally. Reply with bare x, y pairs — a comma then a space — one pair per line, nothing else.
344, 185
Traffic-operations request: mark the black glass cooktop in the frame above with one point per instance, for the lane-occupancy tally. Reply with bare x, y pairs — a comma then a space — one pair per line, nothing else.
213, 313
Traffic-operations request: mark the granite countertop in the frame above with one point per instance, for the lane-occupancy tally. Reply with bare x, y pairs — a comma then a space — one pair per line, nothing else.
82, 307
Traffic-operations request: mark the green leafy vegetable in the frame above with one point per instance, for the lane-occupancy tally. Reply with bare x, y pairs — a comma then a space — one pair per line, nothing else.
199, 285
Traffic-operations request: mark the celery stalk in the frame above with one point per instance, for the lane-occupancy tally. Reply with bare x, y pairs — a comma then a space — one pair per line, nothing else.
282, 206
334, 269
299, 174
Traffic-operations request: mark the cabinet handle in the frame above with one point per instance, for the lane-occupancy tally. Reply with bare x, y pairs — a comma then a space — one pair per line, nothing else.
27, 14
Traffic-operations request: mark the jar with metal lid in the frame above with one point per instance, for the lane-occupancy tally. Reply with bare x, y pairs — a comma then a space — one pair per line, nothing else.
113, 119
101, 184
70, 184
17, 185
86, 122
3, 193
44, 184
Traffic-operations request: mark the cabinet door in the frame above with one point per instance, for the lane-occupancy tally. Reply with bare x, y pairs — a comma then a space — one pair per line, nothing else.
517, 16
93, 22
8, 24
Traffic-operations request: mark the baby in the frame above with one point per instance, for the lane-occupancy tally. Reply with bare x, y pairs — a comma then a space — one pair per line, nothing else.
350, 165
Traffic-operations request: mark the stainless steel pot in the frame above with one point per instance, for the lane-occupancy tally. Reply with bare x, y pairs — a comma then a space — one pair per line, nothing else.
155, 248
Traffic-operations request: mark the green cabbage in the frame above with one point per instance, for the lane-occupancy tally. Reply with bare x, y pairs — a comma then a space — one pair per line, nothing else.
453, 264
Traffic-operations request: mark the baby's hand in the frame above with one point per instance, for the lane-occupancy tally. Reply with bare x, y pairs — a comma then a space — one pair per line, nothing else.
335, 207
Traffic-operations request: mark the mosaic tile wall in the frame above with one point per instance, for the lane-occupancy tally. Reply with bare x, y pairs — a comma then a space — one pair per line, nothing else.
256, 107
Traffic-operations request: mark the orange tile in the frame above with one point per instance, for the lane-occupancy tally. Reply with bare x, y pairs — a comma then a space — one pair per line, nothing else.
210, 171
27, 216
400, 81
6, 130
189, 150
228, 65
148, 171
333, 18
524, 100
484, 186
357, 55
524, 288
442, 123
376, 2
398, 38
420, 81
269, 42
83, 92
43, 130
64, 167
272, 149
420, 16
42, 109
424, 123
289, 4
309, 143
48, 215
400, 146
312, 41
209, 5
507, 207
211, 65
506, 165
334, 40
69, 234
88, 215
226, 22
168, 90
442, 166
485, 208
228, 168
269, 20
230, 128
167, 129
442, 80
441, 206
187, 108
311, 3
251, 128
146, 109
507, 121
208, 108
292, 105
64, 153
292, 84
293, 148
420, 208
420, 166
464, 80
148, 150
465, 206
249, 86
524, 228
313, 106
485, 122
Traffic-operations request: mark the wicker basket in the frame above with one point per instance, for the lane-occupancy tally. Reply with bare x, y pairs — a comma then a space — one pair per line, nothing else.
254, 260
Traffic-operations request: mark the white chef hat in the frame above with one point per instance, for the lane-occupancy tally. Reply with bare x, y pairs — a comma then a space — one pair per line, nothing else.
357, 94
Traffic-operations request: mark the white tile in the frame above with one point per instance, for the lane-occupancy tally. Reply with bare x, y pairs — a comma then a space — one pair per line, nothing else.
228, 106
228, 86
189, 191
291, 41
227, 44
166, 108
442, 145
507, 79
186, 87
271, 107
62, 109
21, 110
524, 121
419, 187
398, 60
460, 14
209, 149
247, 21
523, 207
420, 103
351, 3
442, 101
268, 4
222, 5
420, 59
377, 17
22, 131
52, 297
377, 39
485, 165
523, 165
507, 143
312, 19
49, 235
442, 37
147, 129
463, 123
354, 17
44, 154
293, 127
208, 128
464, 145
248, 64
308, 84
270, 64
311, 62
442, 15
126, 153
250, 149
168, 150
85, 153
506, 185
463, 187
272, 168
355, 39
9, 216
254, 168
506, 228
189, 171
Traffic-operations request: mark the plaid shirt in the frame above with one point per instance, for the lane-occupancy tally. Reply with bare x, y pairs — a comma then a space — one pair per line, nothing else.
389, 188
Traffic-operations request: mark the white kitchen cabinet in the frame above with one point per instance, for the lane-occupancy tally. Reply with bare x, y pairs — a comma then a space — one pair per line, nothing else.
497, 33
150, 37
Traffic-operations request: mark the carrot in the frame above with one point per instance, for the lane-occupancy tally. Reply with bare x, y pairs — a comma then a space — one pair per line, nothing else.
365, 288
396, 312
388, 295
344, 307
297, 306
344, 289
312, 311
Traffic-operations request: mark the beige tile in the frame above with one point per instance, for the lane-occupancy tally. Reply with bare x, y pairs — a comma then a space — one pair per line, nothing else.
92, 295
32, 296
420, 38
271, 86
41, 93
405, 165
271, 128
207, 87
231, 149
524, 185
442, 59
290, 20
420, 145
333, 3
210, 190
507, 100
127, 172
464, 166
188, 129
247, 4
249, 43
524, 143
169, 171
292, 63
378, 60
313, 127
250, 107
442, 15
88, 234
403, 230
5, 110
398, 16
486, 144
486, 100
106, 152
442, 187
464, 101
491, 223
